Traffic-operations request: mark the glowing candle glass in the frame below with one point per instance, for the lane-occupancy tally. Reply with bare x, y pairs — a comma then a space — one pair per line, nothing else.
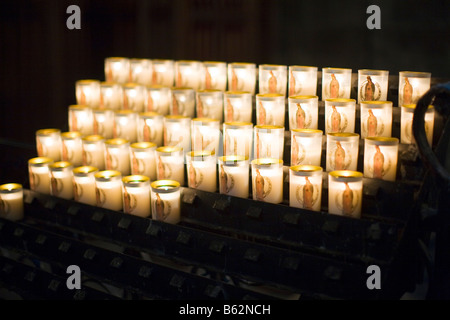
11, 201
170, 164
242, 77
238, 106
163, 72
72, 148
237, 138
376, 119
270, 109
125, 125
117, 155
177, 132
336, 83
61, 179
209, 104
214, 75
48, 143
103, 122
372, 85
94, 151
84, 184
80, 119
108, 189
87, 92
345, 191
166, 201
380, 158
272, 79
305, 187
141, 71
302, 80
340, 115
134, 97
111, 95
150, 128
136, 195
117, 69
267, 180
234, 176
202, 170
411, 86
205, 135
406, 119
182, 102
158, 99
342, 151
303, 112
268, 142
188, 73
306, 147
143, 159
39, 178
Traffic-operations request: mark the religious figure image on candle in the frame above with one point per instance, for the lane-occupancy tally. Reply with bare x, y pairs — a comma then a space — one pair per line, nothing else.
129, 202
230, 112
272, 83
208, 80
302, 118
164, 170
202, 111
235, 85
370, 90
100, 197
177, 105
195, 177
137, 165
347, 201
292, 84
407, 133
179, 80
226, 181
262, 186
77, 191
379, 165
199, 140
307, 195
407, 92
371, 125
340, 159
337, 122
155, 77
333, 87
264, 117
230, 144
160, 208
298, 152
56, 185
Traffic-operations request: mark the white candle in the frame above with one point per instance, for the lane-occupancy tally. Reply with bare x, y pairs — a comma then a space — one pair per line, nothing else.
272, 79
38, 174
303, 112
306, 147
188, 74
88, 93
177, 132
372, 85
406, 119
158, 99
305, 187
166, 201
214, 75
48, 143
380, 158
237, 106
125, 123
267, 180
103, 122
170, 164
336, 83
205, 135
61, 179
134, 97
80, 119
202, 170
340, 115
141, 71
94, 151
117, 155
209, 104
411, 86
163, 72
237, 138
376, 119
345, 193
84, 184
72, 148
342, 151
111, 95
302, 80
269, 142
150, 128
143, 159
242, 77
108, 189
136, 195
270, 109
234, 176
117, 69
11, 201
182, 102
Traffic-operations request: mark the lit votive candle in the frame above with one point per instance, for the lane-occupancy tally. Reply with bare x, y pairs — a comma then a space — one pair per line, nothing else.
302, 80
380, 158
306, 147
108, 189
234, 176
238, 106
158, 99
269, 142
406, 119
48, 143
412, 85
80, 119
103, 122
340, 115
11, 201
141, 71
214, 75
372, 85
72, 148
125, 125
270, 109
134, 97
93, 152
143, 159
111, 95
38, 174
209, 104
117, 155
182, 102
117, 69
87, 92
242, 77
163, 72
84, 184
272, 79
166, 201
376, 119
170, 164
150, 128
336, 83
345, 193
237, 138
136, 195
188, 73
202, 170
205, 134
267, 180
177, 131
342, 151
61, 179
303, 112
305, 187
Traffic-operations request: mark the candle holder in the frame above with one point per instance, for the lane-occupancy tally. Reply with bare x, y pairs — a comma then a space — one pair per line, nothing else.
61, 179
177, 132
136, 195
170, 164
87, 92
93, 151
117, 155
80, 119
237, 138
11, 201
141, 71
143, 159
234, 176
272, 79
71, 148
411, 86
84, 184
150, 128
269, 142
376, 119
134, 97
38, 174
238, 106
306, 147
163, 72
202, 170
158, 99
103, 122
305, 187
336, 83
48, 143
303, 112
345, 193
372, 85
188, 74
302, 80
182, 102
342, 151
166, 201
125, 124
214, 75
205, 135
340, 115
117, 69
267, 180
108, 190
111, 95
380, 158
270, 109
406, 119
242, 77
209, 104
